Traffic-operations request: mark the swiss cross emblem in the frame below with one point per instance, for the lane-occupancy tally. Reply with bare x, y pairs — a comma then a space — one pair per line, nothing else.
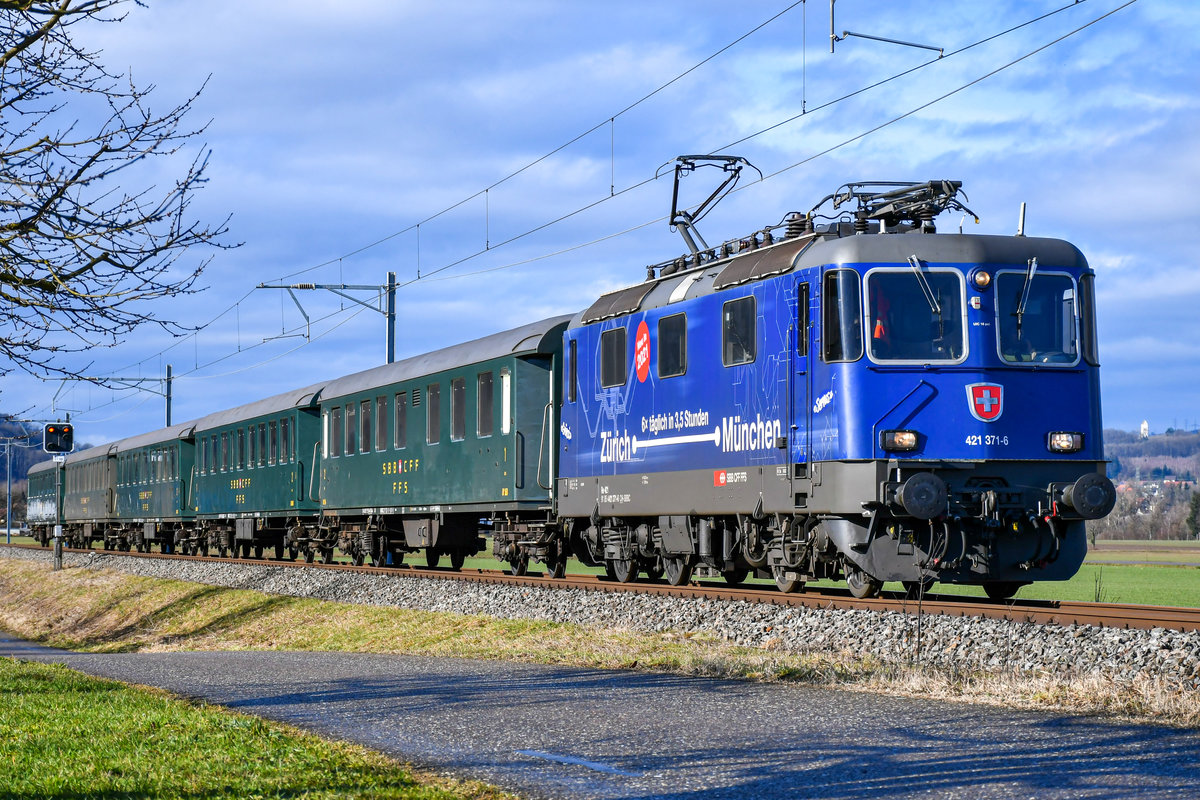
986, 401
719, 478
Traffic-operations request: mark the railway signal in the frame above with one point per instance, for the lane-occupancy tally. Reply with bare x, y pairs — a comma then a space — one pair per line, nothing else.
58, 437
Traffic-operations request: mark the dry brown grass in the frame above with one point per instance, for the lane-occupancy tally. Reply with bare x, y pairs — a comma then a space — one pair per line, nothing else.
101, 611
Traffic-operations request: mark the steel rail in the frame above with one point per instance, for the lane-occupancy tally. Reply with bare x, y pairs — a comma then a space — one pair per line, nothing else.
1045, 612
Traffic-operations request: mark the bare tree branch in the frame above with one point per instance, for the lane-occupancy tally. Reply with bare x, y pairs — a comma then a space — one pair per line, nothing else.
80, 250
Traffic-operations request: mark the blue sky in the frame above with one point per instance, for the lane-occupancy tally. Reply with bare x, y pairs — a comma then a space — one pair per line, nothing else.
334, 130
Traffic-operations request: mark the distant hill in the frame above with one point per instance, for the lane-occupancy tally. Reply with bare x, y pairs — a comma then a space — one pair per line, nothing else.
1175, 454
22, 457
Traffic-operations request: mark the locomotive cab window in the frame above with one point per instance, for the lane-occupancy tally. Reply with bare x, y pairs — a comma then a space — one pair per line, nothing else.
841, 316
1037, 317
672, 346
915, 315
739, 333
612, 358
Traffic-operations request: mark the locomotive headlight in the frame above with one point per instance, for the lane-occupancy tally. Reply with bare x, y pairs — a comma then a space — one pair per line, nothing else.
1064, 442
898, 441
981, 280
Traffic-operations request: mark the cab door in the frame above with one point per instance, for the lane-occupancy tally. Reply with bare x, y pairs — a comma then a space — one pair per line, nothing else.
800, 409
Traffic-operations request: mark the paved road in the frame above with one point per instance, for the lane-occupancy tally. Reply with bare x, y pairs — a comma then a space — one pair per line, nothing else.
576, 733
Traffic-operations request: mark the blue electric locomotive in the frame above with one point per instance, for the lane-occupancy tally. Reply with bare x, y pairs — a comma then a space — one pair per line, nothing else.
866, 399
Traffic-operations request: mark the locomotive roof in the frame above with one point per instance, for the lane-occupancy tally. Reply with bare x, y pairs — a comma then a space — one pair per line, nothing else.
537, 337
823, 249
286, 401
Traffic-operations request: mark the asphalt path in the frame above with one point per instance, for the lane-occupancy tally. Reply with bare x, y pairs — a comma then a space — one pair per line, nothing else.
553, 732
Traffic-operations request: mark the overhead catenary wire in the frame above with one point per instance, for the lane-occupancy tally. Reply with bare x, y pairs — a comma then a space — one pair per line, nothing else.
427, 274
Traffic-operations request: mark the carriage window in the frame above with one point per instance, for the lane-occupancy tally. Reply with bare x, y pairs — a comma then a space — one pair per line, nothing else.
273, 454
915, 315
612, 358
335, 448
572, 371
841, 320
262, 444
401, 435
458, 409
505, 401
738, 332
1036, 317
381, 423
172, 465
286, 450
253, 436
241, 448
224, 452
485, 409
351, 428
364, 418
672, 345
802, 320
1087, 318
433, 413
205, 459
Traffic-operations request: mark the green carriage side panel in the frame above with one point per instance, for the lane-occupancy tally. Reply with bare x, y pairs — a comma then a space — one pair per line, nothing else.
256, 460
44, 495
151, 475
88, 489
472, 420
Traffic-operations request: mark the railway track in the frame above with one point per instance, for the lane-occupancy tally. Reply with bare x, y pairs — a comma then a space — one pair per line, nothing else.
1050, 612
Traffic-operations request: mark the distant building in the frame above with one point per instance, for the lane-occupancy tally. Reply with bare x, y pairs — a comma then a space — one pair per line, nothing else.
1145, 431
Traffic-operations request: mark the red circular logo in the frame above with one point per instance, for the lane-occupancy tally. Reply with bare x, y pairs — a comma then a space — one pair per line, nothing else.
641, 352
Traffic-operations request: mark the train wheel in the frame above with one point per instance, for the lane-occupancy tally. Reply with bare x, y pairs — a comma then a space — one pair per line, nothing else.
1001, 590
223, 551
861, 584
678, 570
258, 550
327, 555
279, 549
292, 553
783, 583
915, 590
309, 555
204, 549
358, 558
457, 559
735, 577
432, 557
557, 569
379, 552
518, 565
624, 570
609, 572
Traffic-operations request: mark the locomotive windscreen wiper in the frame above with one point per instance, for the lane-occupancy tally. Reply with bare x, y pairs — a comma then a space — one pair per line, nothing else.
1030, 271
925, 287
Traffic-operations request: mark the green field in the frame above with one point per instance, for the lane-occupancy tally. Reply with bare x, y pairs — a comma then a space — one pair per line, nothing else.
64, 734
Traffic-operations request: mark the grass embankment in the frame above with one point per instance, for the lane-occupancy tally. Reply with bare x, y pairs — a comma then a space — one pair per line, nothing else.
64, 734
101, 611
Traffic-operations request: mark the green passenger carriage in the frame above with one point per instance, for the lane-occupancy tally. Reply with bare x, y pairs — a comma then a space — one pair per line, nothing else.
44, 495
253, 485
151, 476
424, 453
88, 497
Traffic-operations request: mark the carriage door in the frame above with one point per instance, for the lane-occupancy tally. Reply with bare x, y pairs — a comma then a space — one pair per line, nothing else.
799, 405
